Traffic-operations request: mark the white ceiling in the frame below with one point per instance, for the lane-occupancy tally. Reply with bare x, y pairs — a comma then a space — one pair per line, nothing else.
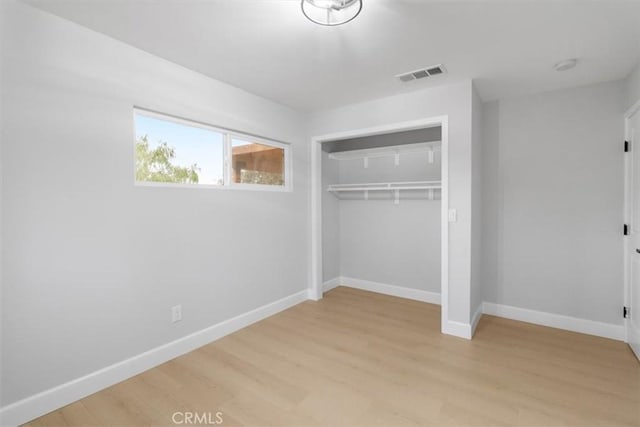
267, 46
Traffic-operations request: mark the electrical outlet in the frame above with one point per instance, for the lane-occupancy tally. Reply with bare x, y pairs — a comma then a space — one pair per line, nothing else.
176, 313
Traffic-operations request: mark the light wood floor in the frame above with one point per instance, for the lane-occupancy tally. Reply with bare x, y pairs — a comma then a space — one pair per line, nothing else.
362, 359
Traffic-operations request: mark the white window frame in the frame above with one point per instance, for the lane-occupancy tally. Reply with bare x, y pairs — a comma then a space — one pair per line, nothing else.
227, 136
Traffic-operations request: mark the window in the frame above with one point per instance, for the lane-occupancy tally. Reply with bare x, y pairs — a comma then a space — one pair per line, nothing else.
255, 163
172, 151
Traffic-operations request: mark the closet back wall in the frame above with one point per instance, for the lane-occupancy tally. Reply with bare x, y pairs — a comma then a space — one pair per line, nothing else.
387, 243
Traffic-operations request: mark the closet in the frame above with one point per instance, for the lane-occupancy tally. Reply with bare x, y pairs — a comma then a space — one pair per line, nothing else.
381, 211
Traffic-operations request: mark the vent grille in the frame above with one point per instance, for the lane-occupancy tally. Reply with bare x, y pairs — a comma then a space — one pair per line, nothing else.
433, 70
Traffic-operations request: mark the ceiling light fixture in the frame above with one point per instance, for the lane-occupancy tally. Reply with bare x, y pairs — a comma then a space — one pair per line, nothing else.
331, 12
565, 65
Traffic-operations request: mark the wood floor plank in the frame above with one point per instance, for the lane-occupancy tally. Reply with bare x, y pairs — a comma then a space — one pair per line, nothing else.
358, 358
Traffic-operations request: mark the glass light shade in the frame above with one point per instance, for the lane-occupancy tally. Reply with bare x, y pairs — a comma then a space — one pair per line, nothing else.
331, 12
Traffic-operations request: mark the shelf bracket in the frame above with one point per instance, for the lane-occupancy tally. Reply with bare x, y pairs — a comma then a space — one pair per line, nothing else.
366, 194
430, 153
366, 162
397, 200
397, 159
431, 194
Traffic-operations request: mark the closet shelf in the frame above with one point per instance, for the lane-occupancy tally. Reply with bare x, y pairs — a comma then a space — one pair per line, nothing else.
386, 186
420, 147
393, 187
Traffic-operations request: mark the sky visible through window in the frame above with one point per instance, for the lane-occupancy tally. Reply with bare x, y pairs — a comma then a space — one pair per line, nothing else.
191, 144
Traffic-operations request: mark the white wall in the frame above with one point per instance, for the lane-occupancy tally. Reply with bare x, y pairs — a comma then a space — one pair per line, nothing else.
330, 220
451, 100
3, 24
477, 233
632, 87
412, 167
387, 243
93, 264
553, 193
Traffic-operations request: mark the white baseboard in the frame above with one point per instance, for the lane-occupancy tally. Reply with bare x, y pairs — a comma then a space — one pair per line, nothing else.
42, 403
393, 290
311, 295
330, 284
461, 329
476, 318
458, 329
584, 326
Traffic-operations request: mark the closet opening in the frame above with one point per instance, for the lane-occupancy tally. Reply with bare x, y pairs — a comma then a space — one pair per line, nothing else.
380, 211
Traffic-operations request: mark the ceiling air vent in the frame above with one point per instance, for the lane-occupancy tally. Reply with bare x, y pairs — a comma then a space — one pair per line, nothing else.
433, 70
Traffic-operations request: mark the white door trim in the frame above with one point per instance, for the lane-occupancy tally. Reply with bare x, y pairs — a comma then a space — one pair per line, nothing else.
316, 282
627, 213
